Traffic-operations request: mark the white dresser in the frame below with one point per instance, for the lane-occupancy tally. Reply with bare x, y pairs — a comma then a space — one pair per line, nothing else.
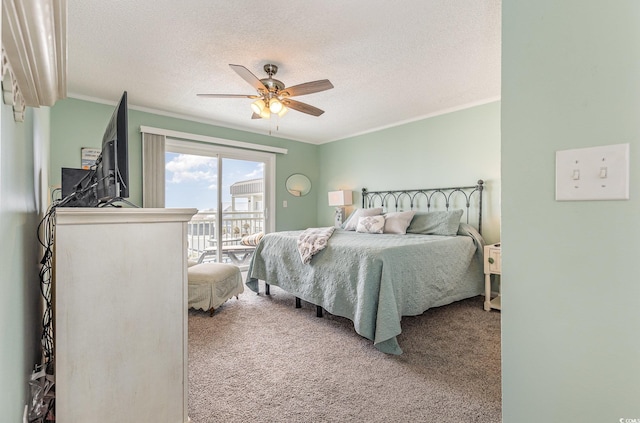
120, 307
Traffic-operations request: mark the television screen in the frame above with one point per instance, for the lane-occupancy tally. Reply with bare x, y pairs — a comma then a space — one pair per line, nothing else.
112, 167
70, 178
77, 190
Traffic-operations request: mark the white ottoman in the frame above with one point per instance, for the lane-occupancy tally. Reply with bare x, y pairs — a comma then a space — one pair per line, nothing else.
211, 284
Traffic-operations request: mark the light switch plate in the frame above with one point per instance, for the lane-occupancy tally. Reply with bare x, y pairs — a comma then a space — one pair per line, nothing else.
594, 173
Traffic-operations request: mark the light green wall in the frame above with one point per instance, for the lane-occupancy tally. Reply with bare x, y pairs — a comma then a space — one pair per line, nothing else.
77, 123
19, 287
457, 148
570, 316
570, 300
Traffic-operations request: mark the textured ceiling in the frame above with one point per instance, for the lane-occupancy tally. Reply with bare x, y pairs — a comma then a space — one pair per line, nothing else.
391, 62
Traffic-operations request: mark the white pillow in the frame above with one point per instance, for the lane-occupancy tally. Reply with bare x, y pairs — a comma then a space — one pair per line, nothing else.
352, 221
397, 222
370, 224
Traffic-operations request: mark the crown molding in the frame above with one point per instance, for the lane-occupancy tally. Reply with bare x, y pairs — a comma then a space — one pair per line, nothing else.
34, 53
11, 94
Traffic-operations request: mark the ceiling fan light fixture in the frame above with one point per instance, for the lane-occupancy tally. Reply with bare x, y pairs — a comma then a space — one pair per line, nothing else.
283, 111
258, 106
265, 113
273, 97
275, 105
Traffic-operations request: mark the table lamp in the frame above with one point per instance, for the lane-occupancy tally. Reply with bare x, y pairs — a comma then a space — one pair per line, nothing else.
339, 199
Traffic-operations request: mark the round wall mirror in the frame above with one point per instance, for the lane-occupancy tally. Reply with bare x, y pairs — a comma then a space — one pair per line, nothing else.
298, 185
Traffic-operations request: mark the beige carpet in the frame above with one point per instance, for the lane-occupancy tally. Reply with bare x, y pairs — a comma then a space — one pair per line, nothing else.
259, 359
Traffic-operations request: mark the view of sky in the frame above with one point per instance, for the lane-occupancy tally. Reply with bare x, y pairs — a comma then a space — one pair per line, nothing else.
192, 180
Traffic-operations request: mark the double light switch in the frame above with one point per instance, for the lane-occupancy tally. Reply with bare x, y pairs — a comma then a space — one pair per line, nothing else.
594, 173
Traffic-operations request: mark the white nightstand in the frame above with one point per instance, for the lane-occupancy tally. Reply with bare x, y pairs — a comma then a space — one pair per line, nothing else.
492, 266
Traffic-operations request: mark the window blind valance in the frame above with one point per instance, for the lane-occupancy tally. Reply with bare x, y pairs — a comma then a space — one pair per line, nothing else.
211, 140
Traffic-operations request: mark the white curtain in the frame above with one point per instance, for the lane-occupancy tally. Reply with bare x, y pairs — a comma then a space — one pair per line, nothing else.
153, 170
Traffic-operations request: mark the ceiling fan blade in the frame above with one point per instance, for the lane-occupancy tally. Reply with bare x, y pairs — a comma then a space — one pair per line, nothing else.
249, 77
228, 95
256, 116
307, 88
302, 107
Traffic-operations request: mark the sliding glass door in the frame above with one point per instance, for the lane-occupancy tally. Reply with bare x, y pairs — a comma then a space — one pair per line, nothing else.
233, 192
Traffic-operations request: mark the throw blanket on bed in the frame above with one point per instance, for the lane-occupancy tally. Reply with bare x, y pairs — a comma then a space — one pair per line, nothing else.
313, 240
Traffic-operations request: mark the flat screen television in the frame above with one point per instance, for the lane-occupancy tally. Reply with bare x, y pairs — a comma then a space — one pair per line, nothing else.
107, 182
112, 166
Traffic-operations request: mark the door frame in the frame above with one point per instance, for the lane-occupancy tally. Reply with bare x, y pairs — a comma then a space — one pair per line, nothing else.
173, 145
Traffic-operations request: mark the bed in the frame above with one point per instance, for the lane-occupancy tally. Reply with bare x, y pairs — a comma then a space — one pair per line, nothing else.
375, 279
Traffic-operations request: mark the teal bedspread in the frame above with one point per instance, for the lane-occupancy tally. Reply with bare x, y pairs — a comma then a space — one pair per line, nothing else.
373, 279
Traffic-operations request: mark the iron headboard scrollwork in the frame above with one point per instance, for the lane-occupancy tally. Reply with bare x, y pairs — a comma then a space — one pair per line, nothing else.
454, 197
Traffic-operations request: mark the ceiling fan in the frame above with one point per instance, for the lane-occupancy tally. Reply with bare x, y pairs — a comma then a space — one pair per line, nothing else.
272, 96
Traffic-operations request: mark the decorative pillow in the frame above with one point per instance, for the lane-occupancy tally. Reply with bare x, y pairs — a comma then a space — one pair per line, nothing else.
370, 224
352, 221
436, 223
397, 222
252, 240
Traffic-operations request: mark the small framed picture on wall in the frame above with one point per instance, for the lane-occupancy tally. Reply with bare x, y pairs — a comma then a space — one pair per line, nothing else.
89, 156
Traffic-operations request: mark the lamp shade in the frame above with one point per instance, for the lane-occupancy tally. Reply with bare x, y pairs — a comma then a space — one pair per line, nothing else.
283, 111
265, 113
275, 106
258, 106
340, 198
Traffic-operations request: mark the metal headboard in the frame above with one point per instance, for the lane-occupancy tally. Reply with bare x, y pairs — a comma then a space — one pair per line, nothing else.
452, 197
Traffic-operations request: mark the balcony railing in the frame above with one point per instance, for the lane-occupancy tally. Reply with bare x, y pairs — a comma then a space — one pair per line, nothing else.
201, 230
